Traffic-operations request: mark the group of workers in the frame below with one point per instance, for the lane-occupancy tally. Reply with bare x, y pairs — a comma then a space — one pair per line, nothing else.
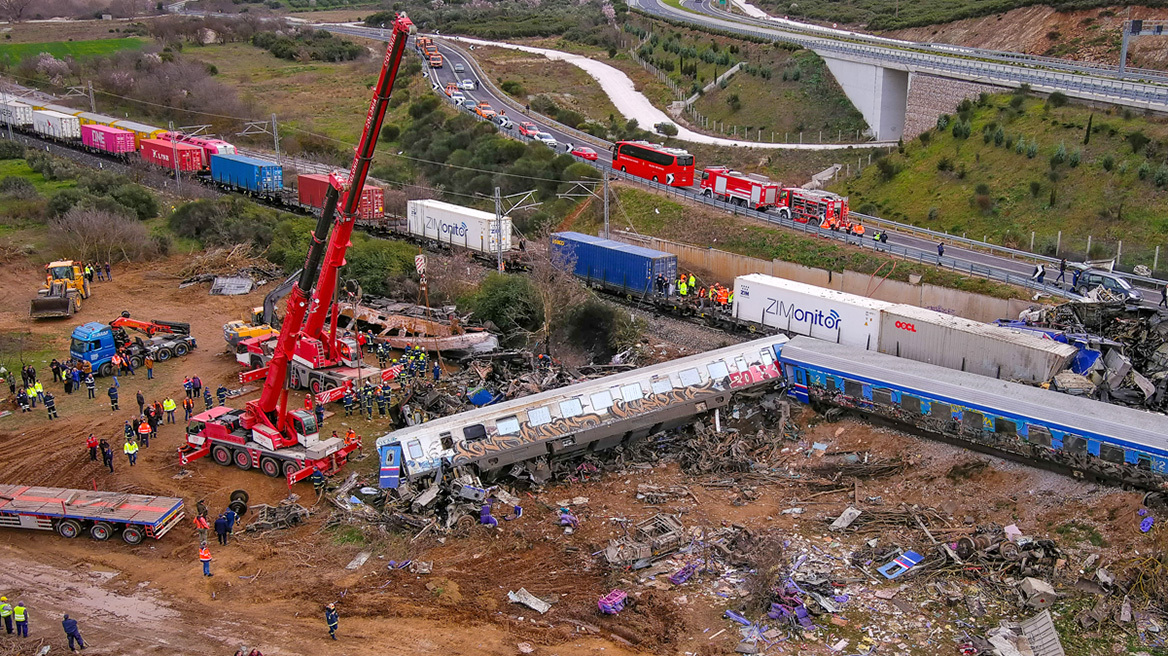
15, 619
713, 296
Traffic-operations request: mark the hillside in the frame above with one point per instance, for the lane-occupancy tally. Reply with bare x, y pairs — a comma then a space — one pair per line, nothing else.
1025, 167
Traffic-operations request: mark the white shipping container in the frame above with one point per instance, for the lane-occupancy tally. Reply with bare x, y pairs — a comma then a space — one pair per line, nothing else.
458, 226
55, 124
800, 309
16, 112
965, 345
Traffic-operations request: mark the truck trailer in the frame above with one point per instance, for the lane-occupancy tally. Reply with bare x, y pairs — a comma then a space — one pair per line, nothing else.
100, 514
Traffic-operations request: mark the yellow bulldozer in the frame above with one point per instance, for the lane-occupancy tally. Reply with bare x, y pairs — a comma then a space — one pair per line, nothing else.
65, 286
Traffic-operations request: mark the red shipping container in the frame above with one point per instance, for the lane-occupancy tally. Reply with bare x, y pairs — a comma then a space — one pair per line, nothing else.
162, 153
107, 139
311, 190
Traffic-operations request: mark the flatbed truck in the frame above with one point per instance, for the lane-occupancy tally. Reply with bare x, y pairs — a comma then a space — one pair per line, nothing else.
101, 514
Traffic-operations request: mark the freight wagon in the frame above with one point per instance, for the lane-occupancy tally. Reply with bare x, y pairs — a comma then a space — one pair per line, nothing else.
101, 514
897, 329
457, 226
612, 265
247, 175
106, 139
16, 113
166, 153
141, 131
55, 125
311, 190
210, 146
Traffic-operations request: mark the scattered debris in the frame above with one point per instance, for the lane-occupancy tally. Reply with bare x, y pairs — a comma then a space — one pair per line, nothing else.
613, 602
531, 601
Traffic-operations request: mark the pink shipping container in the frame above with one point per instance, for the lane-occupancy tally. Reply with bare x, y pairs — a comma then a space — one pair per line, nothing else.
163, 153
107, 139
313, 187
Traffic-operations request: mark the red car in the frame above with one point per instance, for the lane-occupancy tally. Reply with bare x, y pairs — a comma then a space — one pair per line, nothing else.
528, 129
584, 152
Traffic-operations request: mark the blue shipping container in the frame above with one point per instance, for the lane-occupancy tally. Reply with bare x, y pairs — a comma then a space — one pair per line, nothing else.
247, 173
615, 265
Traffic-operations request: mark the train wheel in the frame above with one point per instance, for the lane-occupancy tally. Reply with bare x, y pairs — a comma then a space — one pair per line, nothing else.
68, 528
239, 507
132, 535
221, 455
239, 495
181, 349
101, 531
270, 467
242, 459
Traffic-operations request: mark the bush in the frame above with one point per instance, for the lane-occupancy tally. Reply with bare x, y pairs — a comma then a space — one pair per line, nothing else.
667, 129
65, 200
1031, 150
999, 136
1074, 159
982, 189
1059, 156
509, 302
390, 132
11, 150
89, 235
943, 122
944, 164
1161, 178
934, 214
887, 168
1035, 188
1108, 162
423, 106
137, 199
926, 137
513, 88
17, 188
1138, 141
600, 328
1144, 171
1056, 99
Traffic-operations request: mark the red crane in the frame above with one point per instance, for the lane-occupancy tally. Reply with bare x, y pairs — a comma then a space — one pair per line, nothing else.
265, 434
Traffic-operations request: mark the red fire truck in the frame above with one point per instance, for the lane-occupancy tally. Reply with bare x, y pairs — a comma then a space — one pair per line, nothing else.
823, 207
757, 191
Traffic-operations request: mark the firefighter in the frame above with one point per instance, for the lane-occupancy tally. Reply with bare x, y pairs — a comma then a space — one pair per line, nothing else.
381, 402
221, 393
318, 482
72, 633
91, 444
144, 432
332, 618
22, 399
382, 355
318, 409
207, 400
131, 451
437, 371
107, 455
347, 399
51, 405
188, 408
187, 386
90, 385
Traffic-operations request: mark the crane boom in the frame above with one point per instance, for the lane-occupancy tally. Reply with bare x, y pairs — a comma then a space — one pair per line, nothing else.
313, 292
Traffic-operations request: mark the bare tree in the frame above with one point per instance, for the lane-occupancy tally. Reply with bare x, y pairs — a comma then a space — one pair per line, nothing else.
96, 235
14, 10
558, 289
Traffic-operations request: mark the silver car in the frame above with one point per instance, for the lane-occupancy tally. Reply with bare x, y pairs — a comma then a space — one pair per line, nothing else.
467, 85
547, 140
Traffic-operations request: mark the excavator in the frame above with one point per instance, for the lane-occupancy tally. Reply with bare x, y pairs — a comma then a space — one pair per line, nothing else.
266, 434
259, 322
65, 286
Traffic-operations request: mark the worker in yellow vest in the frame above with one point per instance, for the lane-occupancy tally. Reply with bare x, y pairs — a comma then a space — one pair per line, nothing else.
20, 615
169, 406
6, 614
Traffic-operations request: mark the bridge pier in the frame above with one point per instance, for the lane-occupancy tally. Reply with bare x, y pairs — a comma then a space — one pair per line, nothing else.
880, 93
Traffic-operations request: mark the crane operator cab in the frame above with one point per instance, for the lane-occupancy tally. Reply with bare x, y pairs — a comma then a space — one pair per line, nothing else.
350, 351
304, 424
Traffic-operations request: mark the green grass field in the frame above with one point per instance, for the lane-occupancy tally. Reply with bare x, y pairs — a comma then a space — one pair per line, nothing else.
14, 53
1003, 192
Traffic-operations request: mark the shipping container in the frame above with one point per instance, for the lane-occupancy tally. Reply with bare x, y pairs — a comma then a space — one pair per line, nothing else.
56, 125
965, 345
67, 111
107, 139
163, 153
141, 130
257, 176
16, 112
89, 118
210, 146
311, 189
612, 264
801, 309
458, 226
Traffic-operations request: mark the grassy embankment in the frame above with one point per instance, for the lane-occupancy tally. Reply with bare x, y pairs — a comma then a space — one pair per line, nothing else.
894, 14
13, 53
1112, 188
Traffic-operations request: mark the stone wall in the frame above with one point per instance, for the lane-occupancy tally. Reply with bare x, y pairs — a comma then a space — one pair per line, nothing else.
929, 96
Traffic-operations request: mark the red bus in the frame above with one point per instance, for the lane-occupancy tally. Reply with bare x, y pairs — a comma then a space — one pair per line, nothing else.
655, 162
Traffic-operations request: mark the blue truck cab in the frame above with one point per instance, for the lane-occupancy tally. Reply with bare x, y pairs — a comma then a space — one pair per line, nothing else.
94, 342
97, 343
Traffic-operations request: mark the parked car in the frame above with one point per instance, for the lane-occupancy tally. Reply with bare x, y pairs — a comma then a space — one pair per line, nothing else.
548, 140
584, 152
457, 98
458, 68
484, 110
1090, 279
467, 85
469, 103
503, 121
528, 129
451, 89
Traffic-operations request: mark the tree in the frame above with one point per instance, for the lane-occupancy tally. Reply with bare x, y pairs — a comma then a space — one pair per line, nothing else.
556, 289
667, 129
14, 10
96, 235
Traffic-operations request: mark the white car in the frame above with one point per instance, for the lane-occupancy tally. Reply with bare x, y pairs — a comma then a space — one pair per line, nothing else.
467, 85
503, 121
457, 98
547, 140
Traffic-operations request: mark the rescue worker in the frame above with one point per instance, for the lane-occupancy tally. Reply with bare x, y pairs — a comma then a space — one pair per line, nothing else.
318, 409
72, 633
144, 433
196, 386
231, 518
207, 400
149, 367
129, 429
91, 444
188, 408
221, 393
141, 401
90, 385
51, 405
692, 282
131, 451
202, 527
107, 455
381, 402
437, 371
20, 616
40, 390
187, 386
940, 249
6, 614
221, 528
22, 400
318, 480
169, 406
682, 287
367, 401
55, 367
348, 401
332, 618
32, 395
205, 558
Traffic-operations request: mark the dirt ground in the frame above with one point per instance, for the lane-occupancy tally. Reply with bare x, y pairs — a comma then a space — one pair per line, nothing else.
268, 590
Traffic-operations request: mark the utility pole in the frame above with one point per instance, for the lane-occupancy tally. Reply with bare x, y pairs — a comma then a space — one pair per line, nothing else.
92, 102
583, 188
8, 114
276, 137
523, 202
606, 234
174, 154
499, 229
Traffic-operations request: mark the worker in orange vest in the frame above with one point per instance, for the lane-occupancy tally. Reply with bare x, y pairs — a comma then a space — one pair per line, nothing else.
91, 444
202, 526
144, 433
205, 558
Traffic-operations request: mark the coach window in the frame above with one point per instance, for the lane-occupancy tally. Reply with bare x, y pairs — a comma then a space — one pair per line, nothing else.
830, 383
882, 395
415, 449
447, 441
972, 420
474, 432
601, 401
910, 404
1111, 453
941, 410
690, 377
1038, 435
741, 364
1076, 445
1003, 426
718, 370
1143, 462
539, 416
768, 357
632, 392
571, 408
853, 389
661, 385
507, 425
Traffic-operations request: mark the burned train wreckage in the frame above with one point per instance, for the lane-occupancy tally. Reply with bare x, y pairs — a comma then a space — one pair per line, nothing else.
521, 437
